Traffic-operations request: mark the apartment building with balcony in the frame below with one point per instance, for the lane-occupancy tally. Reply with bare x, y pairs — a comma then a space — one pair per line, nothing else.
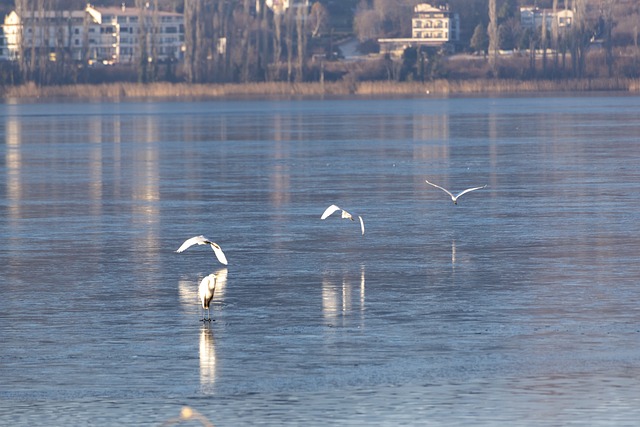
115, 35
430, 26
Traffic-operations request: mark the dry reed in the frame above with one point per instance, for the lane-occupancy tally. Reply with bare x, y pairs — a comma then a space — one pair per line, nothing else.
316, 89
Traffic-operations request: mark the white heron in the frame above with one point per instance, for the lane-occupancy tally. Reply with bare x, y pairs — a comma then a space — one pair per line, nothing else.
455, 198
205, 293
331, 209
201, 240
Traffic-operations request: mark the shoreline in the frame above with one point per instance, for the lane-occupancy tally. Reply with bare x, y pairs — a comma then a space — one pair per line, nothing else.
436, 88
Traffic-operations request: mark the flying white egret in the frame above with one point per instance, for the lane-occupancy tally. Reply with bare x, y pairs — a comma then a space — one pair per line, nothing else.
201, 240
331, 209
455, 198
205, 293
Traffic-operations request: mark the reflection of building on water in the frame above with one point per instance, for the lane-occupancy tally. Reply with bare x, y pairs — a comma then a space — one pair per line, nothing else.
280, 178
348, 297
221, 284
188, 293
207, 356
146, 196
453, 254
95, 166
13, 162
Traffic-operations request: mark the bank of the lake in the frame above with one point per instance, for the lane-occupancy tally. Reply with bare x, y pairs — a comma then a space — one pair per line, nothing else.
342, 88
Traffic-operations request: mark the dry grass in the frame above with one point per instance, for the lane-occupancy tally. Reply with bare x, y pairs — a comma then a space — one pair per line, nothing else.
344, 87
491, 86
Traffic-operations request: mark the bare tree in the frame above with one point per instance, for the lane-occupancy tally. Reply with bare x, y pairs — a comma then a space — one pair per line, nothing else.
318, 19
579, 38
367, 22
289, 24
554, 34
492, 31
143, 47
301, 18
155, 27
606, 12
277, 44
194, 35
544, 41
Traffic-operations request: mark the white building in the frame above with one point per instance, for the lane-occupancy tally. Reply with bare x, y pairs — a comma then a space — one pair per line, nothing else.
105, 35
116, 34
280, 6
50, 30
430, 26
532, 17
433, 24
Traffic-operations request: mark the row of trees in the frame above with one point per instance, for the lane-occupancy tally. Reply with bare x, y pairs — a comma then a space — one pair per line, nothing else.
225, 41
246, 41
556, 45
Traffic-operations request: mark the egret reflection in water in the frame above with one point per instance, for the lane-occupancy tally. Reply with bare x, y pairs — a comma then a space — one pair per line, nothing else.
341, 300
453, 254
207, 357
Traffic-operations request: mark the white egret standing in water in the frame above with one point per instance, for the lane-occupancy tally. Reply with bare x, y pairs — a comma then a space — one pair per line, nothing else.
455, 198
201, 240
205, 292
331, 209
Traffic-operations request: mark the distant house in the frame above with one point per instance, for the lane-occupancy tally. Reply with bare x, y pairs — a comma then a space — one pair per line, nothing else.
116, 35
532, 17
46, 32
279, 6
430, 26
104, 35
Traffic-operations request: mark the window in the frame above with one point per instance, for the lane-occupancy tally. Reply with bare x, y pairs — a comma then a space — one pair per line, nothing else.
171, 30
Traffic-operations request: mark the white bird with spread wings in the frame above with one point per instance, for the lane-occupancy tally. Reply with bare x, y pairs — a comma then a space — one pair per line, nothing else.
455, 198
201, 240
331, 209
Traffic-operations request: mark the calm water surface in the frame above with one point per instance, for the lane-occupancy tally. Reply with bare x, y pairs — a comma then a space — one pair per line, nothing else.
520, 305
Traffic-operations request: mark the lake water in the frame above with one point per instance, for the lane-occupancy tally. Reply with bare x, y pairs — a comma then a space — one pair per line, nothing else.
518, 306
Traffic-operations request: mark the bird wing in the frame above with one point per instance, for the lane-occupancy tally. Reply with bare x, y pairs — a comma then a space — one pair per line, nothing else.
437, 186
197, 240
361, 224
470, 189
331, 209
219, 254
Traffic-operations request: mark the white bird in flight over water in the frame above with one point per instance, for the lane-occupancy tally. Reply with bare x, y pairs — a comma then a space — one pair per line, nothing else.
455, 198
331, 209
205, 292
201, 240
